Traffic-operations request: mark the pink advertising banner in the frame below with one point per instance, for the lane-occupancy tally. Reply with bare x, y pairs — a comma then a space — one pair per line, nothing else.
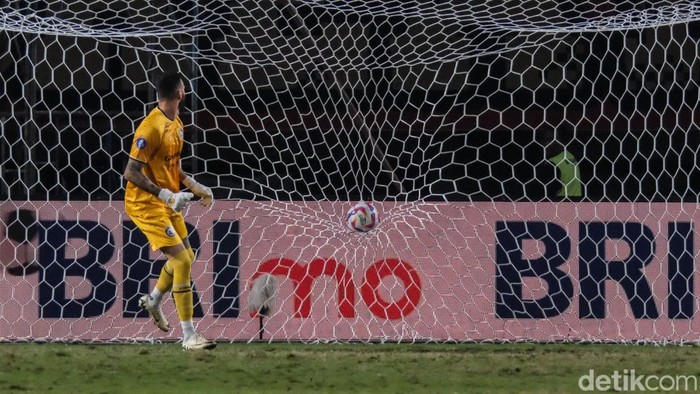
429, 271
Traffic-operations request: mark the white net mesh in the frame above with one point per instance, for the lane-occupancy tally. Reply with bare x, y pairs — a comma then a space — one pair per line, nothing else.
448, 115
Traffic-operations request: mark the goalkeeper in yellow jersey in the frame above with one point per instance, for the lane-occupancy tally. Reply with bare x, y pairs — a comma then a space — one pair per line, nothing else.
154, 202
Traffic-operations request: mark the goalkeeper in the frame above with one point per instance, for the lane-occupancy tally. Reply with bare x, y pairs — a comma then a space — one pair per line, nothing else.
154, 202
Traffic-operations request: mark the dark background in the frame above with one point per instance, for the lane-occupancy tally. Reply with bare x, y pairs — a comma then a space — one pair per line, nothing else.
283, 102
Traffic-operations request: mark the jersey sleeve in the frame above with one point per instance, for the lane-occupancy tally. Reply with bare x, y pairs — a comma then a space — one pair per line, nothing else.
145, 143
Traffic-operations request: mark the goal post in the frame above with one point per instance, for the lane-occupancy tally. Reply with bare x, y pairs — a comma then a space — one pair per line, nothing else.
462, 122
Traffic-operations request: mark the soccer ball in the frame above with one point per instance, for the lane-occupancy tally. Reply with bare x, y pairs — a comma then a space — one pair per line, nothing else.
362, 217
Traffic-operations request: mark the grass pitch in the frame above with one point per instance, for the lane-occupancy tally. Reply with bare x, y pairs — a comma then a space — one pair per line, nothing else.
365, 368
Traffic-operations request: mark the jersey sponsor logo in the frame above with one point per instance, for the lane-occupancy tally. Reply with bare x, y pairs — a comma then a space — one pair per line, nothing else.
170, 232
141, 143
171, 157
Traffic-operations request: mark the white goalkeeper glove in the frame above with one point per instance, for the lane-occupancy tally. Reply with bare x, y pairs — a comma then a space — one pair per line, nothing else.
176, 201
207, 197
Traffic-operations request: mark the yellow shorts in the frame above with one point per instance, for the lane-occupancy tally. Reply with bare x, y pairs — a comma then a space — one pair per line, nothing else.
162, 230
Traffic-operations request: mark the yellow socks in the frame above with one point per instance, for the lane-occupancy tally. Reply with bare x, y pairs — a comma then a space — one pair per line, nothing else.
182, 291
165, 280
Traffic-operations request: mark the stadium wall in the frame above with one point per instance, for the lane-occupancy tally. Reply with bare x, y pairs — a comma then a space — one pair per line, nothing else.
446, 272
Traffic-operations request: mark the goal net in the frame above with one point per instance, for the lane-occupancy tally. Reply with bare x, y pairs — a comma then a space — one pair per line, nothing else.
533, 164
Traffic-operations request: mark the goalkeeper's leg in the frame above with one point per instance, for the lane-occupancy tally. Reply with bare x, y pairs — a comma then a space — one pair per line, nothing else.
159, 233
152, 302
165, 280
181, 262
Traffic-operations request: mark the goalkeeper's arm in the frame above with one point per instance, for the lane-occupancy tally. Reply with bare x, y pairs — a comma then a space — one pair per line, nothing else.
205, 193
133, 174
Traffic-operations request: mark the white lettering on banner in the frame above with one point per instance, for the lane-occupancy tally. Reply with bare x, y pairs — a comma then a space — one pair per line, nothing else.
465, 273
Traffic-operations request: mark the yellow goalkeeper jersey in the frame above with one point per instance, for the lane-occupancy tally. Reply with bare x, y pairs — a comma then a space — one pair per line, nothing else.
157, 143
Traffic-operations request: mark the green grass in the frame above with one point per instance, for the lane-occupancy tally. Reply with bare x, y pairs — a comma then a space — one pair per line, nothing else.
388, 368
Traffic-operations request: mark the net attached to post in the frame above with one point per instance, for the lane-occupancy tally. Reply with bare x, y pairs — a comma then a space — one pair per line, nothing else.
457, 120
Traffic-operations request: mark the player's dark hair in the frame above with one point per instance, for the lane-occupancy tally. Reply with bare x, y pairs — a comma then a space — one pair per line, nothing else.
168, 84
